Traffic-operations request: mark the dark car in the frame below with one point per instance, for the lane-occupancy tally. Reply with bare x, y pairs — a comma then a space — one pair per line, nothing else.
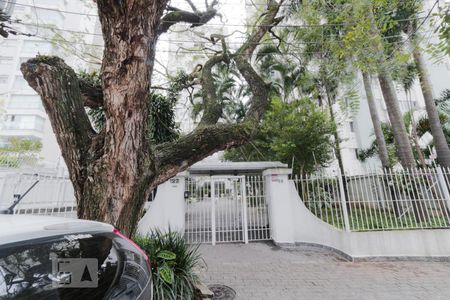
58, 258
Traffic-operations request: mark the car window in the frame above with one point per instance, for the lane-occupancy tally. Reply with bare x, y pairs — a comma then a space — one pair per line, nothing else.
37, 269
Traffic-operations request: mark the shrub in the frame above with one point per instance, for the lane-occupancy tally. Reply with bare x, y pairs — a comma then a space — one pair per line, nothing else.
173, 264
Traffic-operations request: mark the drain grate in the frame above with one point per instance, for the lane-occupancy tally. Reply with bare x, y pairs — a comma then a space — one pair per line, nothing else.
222, 292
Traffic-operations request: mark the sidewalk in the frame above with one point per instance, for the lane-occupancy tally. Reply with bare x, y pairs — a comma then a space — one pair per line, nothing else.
263, 271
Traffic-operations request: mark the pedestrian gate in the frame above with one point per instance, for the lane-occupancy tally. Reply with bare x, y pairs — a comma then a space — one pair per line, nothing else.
226, 209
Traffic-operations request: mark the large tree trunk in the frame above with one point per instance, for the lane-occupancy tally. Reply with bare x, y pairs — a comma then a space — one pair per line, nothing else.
121, 175
113, 171
379, 136
442, 149
402, 143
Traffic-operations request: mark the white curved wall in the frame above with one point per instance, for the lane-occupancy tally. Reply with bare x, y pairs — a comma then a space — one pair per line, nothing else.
394, 243
292, 222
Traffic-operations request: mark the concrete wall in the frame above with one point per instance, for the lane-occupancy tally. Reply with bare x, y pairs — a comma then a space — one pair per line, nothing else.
292, 222
167, 209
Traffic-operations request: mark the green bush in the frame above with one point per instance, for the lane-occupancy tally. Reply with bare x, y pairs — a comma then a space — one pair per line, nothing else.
173, 264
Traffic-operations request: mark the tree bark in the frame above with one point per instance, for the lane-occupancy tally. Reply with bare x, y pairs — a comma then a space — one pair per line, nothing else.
379, 135
57, 84
402, 143
442, 149
196, 17
416, 142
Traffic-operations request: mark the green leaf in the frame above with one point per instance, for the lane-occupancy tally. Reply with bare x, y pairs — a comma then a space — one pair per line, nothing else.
166, 274
167, 255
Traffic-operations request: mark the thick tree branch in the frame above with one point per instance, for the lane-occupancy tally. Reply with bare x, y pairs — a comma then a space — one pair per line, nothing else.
57, 84
267, 23
91, 94
193, 7
174, 157
260, 90
195, 18
213, 108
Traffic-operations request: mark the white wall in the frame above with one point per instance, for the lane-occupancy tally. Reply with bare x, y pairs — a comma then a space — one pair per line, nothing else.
167, 209
304, 227
20, 48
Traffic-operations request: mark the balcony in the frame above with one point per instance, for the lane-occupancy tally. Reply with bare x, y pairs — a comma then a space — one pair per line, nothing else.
405, 105
23, 126
25, 102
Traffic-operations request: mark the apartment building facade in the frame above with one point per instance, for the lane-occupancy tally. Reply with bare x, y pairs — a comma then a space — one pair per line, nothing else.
23, 114
45, 21
356, 129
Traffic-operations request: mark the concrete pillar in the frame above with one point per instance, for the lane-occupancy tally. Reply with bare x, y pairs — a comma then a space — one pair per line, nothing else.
167, 209
280, 205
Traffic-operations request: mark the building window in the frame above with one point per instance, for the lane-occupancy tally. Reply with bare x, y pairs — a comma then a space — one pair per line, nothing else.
25, 102
20, 84
35, 47
51, 17
8, 44
24, 122
6, 60
352, 126
3, 82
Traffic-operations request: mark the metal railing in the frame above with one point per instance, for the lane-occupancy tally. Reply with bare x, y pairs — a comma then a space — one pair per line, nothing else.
16, 161
379, 200
46, 194
226, 209
257, 210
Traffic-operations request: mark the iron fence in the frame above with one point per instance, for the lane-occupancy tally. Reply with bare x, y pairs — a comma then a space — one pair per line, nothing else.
379, 199
257, 210
226, 209
37, 194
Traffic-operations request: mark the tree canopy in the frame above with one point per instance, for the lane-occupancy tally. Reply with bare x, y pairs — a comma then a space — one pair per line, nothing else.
298, 133
115, 167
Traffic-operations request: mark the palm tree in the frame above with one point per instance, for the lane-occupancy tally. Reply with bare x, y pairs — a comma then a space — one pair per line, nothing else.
379, 136
442, 149
401, 140
410, 10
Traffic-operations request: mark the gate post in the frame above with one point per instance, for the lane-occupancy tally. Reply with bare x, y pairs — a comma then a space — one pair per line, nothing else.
244, 209
213, 211
280, 205
167, 209
343, 197
443, 184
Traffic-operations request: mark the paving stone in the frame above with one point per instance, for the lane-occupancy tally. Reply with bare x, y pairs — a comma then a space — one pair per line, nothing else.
264, 271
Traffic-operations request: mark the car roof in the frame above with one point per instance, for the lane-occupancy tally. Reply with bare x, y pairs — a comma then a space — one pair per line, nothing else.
16, 228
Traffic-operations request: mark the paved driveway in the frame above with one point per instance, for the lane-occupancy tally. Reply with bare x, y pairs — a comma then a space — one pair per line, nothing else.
263, 271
